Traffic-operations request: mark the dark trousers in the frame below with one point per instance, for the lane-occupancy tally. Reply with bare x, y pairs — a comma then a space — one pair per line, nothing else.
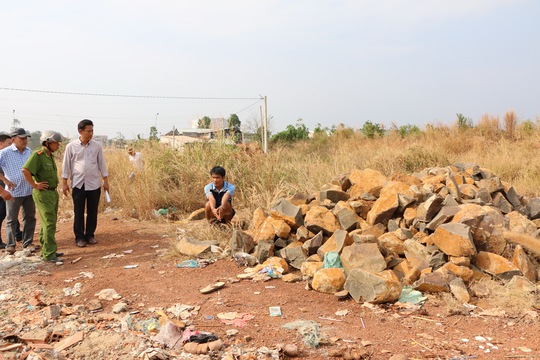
3, 214
90, 199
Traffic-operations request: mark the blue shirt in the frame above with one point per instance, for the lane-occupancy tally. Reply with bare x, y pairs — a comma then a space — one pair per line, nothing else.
11, 162
227, 187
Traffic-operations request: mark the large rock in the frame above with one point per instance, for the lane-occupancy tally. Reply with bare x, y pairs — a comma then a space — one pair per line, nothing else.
438, 281
309, 268
487, 225
502, 204
265, 232
366, 286
294, 254
328, 280
347, 219
334, 196
320, 218
462, 272
193, 247
259, 216
387, 203
443, 216
493, 184
414, 247
312, 245
427, 210
366, 181
533, 208
336, 243
264, 250
520, 224
363, 256
494, 264
241, 241
342, 181
285, 210
522, 261
391, 243
459, 290
281, 228
454, 239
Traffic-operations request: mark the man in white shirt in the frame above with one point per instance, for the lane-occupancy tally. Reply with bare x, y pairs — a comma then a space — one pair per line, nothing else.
83, 164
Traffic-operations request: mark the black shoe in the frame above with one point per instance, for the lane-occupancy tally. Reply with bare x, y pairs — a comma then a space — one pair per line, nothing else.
18, 238
2, 245
91, 241
80, 243
54, 260
58, 254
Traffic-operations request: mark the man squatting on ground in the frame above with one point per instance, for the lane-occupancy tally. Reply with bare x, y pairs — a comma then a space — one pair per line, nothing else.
219, 194
40, 172
12, 159
83, 163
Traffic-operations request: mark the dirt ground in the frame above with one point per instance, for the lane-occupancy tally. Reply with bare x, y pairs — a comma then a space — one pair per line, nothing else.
380, 332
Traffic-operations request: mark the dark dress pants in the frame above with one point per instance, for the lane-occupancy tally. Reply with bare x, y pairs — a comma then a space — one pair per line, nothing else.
90, 200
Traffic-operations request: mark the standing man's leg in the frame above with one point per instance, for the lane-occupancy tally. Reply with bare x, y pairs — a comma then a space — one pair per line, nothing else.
29, 220
47, 205
79, 200
12, 211
92, 203
2, 217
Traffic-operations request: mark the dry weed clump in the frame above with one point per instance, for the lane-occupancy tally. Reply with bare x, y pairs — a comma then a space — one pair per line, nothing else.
489, 126
514, 303
510, 123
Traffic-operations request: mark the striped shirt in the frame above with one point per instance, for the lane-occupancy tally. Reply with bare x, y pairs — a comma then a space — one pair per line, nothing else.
11, 162
83, 164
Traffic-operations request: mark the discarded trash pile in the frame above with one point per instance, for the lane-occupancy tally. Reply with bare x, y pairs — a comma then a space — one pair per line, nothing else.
437, 231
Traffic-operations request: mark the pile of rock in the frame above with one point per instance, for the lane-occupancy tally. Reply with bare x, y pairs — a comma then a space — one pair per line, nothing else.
436, 230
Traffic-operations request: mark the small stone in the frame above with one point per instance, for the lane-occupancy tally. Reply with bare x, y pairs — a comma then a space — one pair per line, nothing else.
291, 350
120, 307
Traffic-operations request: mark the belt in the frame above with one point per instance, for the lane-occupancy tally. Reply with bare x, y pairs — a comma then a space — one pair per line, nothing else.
52, 189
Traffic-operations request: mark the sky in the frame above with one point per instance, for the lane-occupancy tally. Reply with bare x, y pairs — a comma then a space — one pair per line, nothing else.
403, 62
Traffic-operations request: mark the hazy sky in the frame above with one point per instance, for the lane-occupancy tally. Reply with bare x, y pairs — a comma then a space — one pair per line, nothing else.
327, 62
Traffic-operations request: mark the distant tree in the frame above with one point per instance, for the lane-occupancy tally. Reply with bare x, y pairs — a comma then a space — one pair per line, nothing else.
204, 123
464, 122
153, 134
371, 130
292, 133
408, 130
233, 121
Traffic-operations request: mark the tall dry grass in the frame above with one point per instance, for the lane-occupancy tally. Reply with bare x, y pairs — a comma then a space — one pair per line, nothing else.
510, 122
172, 179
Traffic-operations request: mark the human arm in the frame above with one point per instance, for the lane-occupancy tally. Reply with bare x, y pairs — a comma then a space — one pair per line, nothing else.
43, 185
9, 184
65, 186
66, 170
212, 202
106, 183
6, 195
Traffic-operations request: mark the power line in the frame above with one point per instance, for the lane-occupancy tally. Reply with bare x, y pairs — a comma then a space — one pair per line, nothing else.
129, 96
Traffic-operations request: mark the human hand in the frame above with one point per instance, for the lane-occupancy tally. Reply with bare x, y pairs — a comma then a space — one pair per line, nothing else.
6, 195
217, 213
65, 189
43, 185
10, 184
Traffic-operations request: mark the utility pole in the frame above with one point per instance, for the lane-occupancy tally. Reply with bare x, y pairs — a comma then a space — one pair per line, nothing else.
265, 127
173, 139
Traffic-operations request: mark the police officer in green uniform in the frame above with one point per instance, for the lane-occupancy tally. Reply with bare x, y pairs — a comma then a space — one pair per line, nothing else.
40, 172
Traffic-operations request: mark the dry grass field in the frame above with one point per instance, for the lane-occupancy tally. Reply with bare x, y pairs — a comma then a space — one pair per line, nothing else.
174, 179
